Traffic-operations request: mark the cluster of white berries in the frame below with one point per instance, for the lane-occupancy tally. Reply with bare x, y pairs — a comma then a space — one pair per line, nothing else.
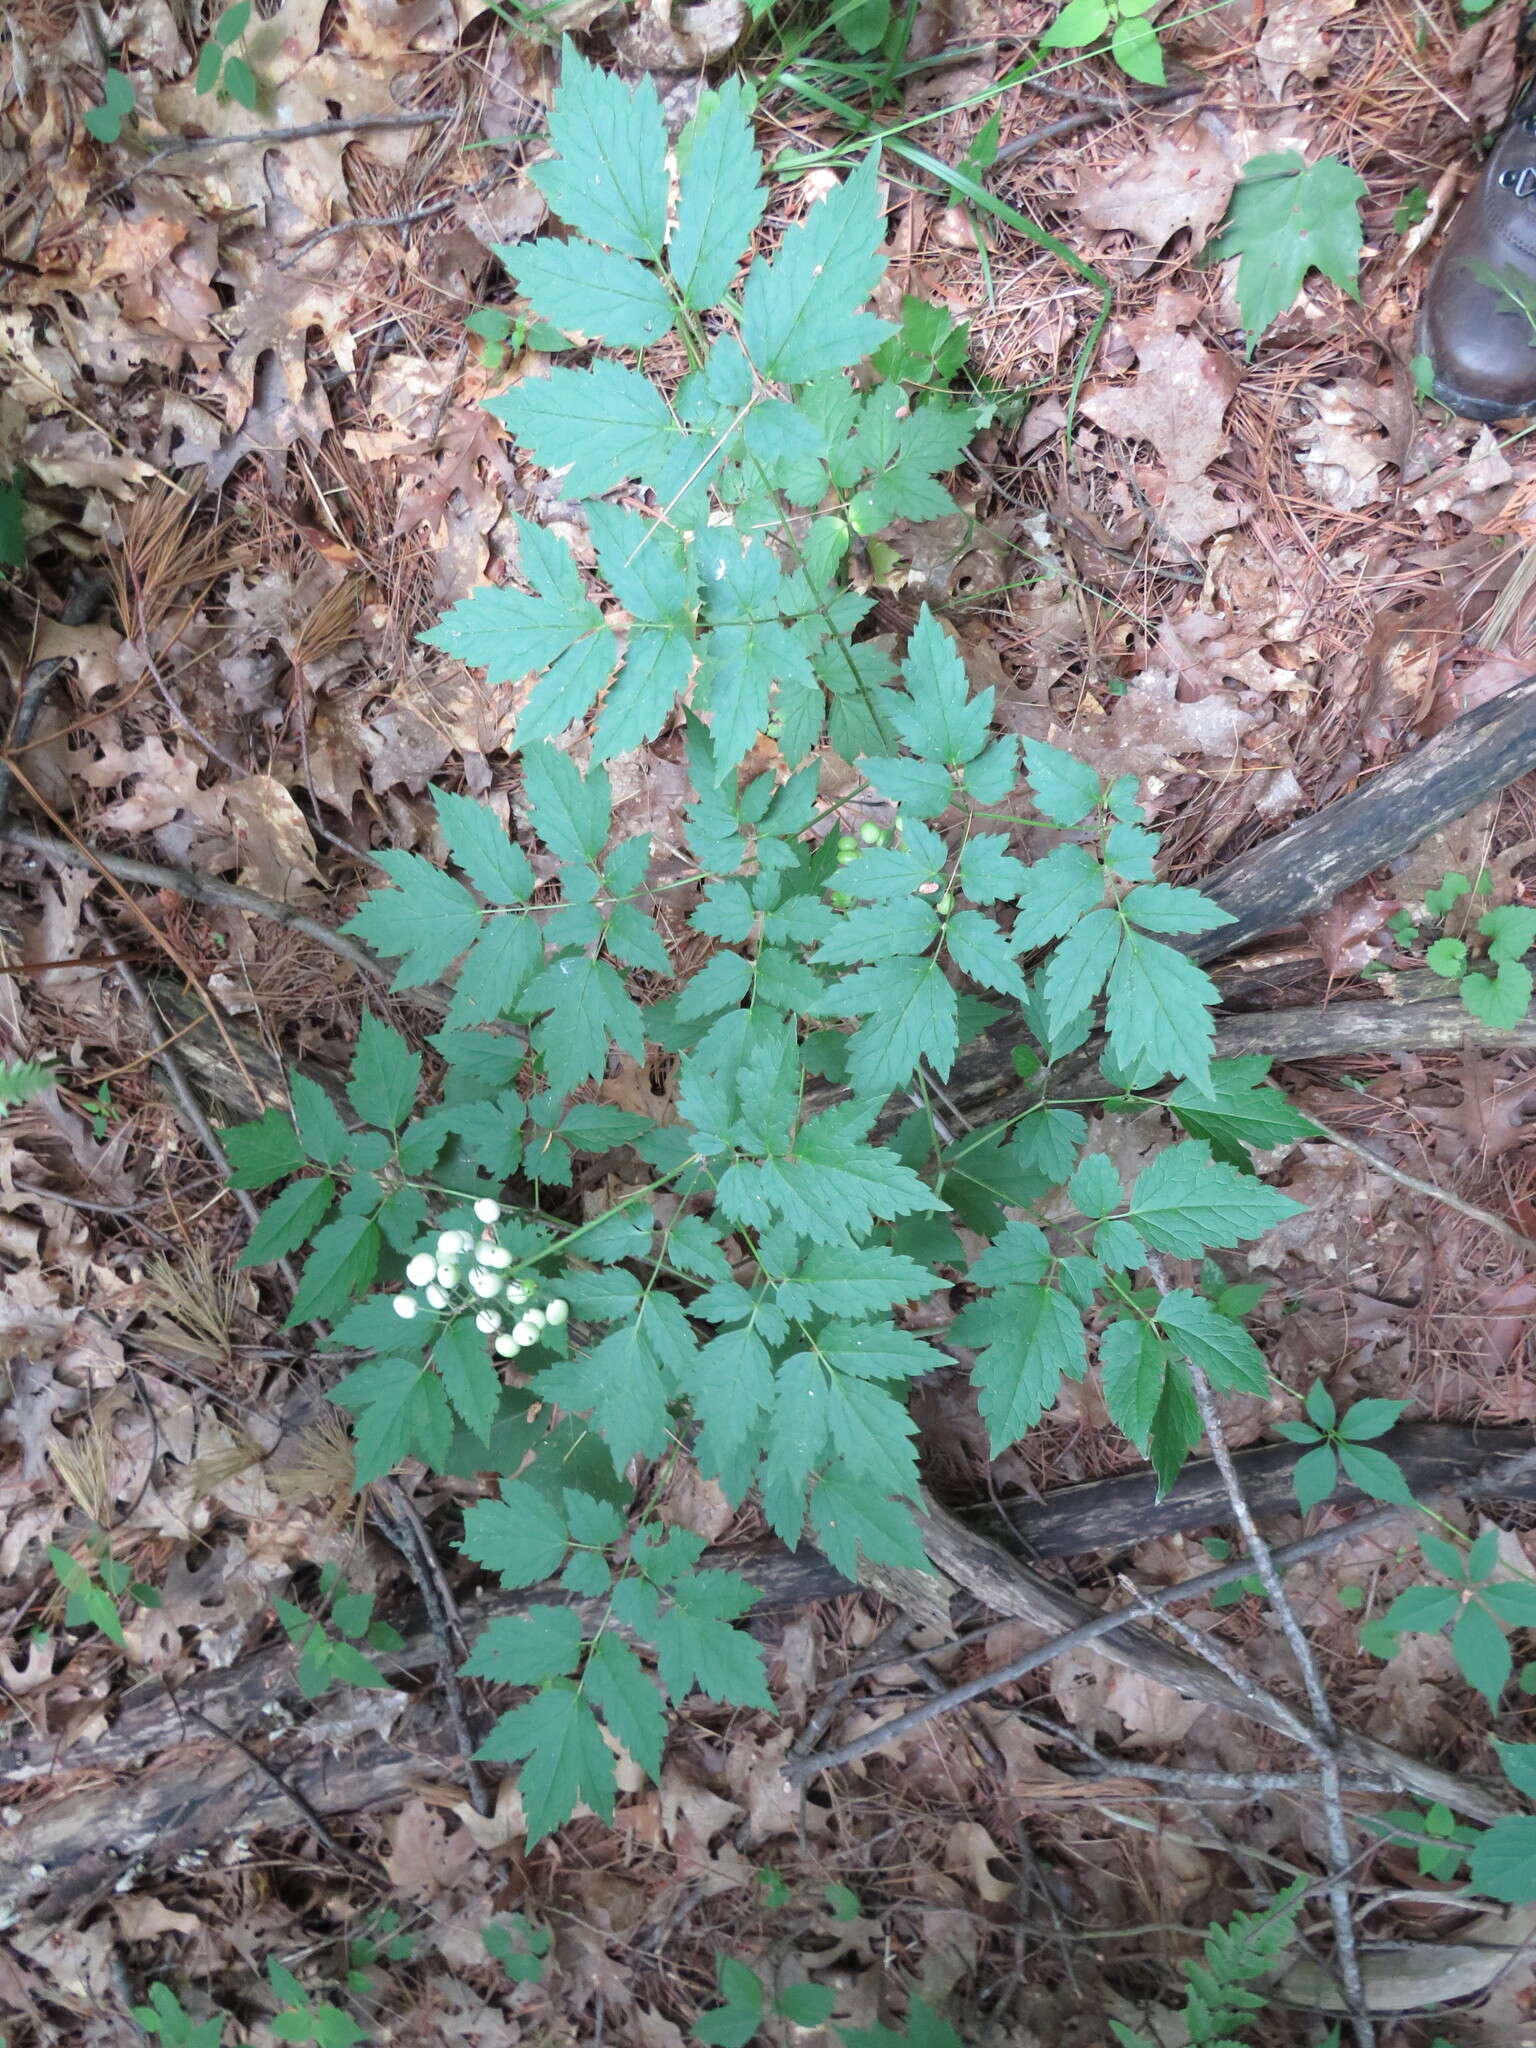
461, 1270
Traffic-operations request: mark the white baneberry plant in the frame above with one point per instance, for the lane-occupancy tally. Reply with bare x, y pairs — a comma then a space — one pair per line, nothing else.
748, 1299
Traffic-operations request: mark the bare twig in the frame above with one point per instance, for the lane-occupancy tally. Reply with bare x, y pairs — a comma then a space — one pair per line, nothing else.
364, 124
799, 1769
400, 1522
206, 889
1325, 1743
1095, 116
302, 1806
1428, 1188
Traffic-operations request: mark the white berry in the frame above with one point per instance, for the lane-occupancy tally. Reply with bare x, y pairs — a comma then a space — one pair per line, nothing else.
496, 1256
534, 1318
525, 1334
506, 1346
487, 1322
421, 1269
517, 1293
557, 1312
405, 1306
436, 1297
447, 1273
484, 1284
488, 1211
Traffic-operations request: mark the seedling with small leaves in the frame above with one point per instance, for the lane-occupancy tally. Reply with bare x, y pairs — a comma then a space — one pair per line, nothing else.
1482, 1607
96, 1586
221, 68
1132, 35
117, 106
521, 1948
304, 2017
500, 335
167, 2020
1496, 986
326, 1658
1345, 1441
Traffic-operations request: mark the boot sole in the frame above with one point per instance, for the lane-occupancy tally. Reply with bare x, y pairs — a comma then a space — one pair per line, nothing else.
1487, 410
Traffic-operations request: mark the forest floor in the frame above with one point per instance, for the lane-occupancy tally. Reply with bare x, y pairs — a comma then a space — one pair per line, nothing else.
237, 382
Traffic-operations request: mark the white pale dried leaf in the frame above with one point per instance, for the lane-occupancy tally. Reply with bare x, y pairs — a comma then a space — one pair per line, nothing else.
1183, 180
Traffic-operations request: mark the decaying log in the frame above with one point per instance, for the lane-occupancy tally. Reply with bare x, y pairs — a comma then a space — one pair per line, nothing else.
1109, 1514
173, 1789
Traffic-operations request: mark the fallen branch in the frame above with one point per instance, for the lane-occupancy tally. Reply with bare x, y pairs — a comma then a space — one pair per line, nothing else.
1323, 1741
972, 1562
1109, 1514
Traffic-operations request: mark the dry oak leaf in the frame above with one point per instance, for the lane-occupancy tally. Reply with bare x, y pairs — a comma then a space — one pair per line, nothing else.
1177, 404
1293, 41
1179, 399
1183, 181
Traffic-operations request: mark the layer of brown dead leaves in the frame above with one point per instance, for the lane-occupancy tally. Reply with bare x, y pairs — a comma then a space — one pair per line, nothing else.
255, 413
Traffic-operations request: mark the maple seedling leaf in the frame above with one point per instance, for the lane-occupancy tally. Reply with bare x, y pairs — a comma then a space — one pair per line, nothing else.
1288, 217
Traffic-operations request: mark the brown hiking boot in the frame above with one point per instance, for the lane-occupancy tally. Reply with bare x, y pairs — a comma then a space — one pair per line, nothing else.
1478, 323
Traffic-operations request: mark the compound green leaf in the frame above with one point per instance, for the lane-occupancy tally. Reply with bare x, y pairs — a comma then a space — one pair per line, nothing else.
567, 1761
385, 1077
321, 1130
484, 848
1159, 1011
263, 1152
1222, 1349
583, 289
720, 197
513, 633
1185, 1201
1080, 964
1133, 1364
853, 1519
1235, 1111
990, 874
343, 1258
1030, 1338
1065, 789
800, 309
572, 813
1062, 890
601, 425
1482, 1651
520, 1537
608, 178
937, 716
400, 1410
620, 1383
527, 1648
426, 921
469, 1379
910, 1015
1159, 907
288, 1222
979, 949
697, 1648
617, 1683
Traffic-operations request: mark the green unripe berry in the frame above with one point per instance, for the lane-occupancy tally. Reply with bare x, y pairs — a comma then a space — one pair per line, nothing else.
871, 833
946, 903
846, 843
841, 899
